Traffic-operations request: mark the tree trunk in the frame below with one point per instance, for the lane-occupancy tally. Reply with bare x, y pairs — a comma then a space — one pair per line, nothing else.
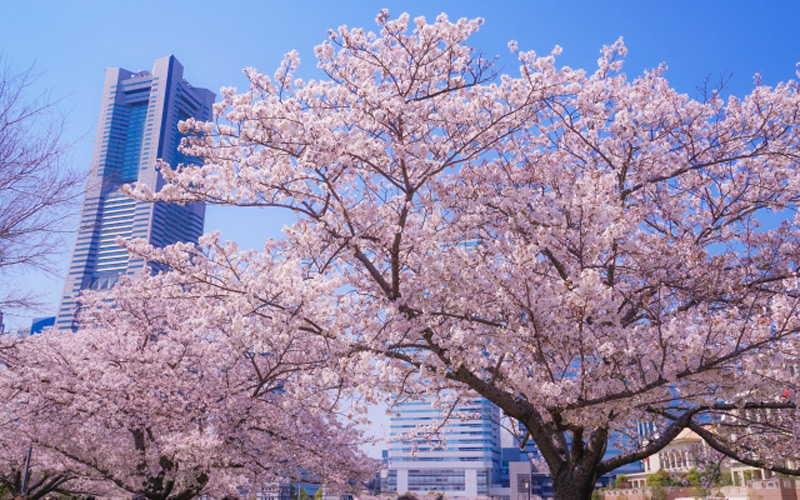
573, 484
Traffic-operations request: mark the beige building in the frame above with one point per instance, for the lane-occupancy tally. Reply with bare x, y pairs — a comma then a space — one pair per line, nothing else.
683, 454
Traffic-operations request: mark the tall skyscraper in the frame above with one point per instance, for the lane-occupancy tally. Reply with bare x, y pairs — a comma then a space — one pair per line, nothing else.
138, 124
464, 465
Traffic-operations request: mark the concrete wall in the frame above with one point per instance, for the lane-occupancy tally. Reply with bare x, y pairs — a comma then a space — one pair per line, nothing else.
766, 489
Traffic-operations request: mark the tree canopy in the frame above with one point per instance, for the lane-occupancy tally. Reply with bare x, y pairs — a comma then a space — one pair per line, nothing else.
167, 400
583, 249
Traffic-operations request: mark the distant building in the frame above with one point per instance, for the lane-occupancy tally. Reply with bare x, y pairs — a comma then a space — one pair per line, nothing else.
519, 479
38, 325
469, 462
685, 453
296, 490
138, 124
464, 464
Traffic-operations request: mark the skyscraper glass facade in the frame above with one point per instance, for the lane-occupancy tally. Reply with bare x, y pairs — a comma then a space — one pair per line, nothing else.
138, 124
463, 463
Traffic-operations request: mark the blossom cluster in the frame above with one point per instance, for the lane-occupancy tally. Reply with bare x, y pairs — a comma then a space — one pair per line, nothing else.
583, 249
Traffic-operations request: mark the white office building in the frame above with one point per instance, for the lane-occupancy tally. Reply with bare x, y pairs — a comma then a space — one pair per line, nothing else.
464, 464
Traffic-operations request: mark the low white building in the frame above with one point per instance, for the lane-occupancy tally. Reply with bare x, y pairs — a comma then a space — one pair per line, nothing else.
683, 453
463, 464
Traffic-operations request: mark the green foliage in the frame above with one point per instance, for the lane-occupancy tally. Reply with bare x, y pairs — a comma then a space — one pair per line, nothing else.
622, 478
693, 477
699, 492
748, 475
318, 494
660, 478
303, 495
658, 492
713, 475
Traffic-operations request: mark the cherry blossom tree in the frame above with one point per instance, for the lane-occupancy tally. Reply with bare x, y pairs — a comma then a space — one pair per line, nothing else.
164, 399
37, 189
585, 250
47, 473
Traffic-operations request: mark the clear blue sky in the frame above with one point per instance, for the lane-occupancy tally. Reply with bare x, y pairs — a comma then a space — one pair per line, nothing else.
71, 42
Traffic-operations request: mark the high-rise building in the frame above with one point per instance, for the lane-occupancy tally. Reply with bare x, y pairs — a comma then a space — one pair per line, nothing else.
465, 463
138, 124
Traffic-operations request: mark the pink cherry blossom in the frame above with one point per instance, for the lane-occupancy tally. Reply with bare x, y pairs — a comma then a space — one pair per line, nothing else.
585, 250
170, 398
